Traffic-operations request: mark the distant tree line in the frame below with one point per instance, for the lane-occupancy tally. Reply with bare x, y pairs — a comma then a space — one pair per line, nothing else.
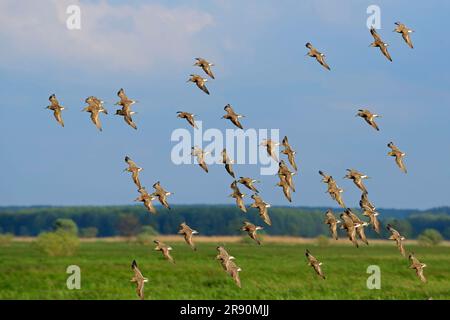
207, 219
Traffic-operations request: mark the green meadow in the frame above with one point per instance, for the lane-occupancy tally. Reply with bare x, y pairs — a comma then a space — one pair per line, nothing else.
270, 271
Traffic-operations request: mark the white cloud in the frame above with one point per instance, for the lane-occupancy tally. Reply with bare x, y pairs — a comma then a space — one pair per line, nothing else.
112, 37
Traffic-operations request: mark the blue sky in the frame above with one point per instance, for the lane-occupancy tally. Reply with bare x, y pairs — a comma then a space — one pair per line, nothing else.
148, 48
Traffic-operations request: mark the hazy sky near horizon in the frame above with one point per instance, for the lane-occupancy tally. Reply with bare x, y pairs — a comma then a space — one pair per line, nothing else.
258, 47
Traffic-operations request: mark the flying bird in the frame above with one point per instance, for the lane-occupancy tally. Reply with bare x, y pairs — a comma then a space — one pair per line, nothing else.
357, 178
228, 163
373, 218
314, 263
349, 226
56, 108
336, 194
249, 183
147, 199
200, 82
251, 229
200, 154
332, 189
138, 279
325, 178
359, 225
232, 116
126, 111
369, 117
286, 189
188, 233
161, 194
233, 271
289, 152
228, 264
262, 206
238, 196
134, 169
397, 237
223, 256
399, 155
284, 171
365, 203
205, 65
418, 266
332, 222
271, 148
188, 116
165, 249
369, 210
406, 33
314, 53
95, 107
380, 44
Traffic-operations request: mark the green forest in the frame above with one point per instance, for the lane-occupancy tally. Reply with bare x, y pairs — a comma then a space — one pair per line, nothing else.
107, 221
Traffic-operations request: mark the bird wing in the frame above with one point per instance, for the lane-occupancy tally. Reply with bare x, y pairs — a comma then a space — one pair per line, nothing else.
188, 239
236, 122
375, 223
287, 191
291, 159
407, 38
373, 124
359, 183
58, 116
400, 247
333, 229
206, 67
338, 198
419, 272
129, 121
131, 163
229, 169
166, 253
264, 213
375, 35
202, 164
135, 176
321, 60
190, 119
385, 52
203, 87
235, 275
362, 234
318, 270
95, 119
399, 161
240, 203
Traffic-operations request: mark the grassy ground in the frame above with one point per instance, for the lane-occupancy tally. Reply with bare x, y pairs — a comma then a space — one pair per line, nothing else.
271, 271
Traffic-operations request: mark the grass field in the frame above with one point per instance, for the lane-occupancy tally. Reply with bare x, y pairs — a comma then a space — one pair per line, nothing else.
270, 271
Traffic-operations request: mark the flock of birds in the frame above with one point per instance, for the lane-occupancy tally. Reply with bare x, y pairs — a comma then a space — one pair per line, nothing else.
350, 222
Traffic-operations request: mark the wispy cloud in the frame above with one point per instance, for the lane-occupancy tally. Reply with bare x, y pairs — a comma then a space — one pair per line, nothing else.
112, 36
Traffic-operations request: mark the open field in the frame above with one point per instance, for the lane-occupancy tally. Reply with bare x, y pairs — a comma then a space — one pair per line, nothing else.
276, 270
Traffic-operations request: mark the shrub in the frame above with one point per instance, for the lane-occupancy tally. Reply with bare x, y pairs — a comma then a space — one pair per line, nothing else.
66, 225
147, 235
58, 243
145, 239
322, 241
430, 237
6, 239
149, 230
89, 232
128, 225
